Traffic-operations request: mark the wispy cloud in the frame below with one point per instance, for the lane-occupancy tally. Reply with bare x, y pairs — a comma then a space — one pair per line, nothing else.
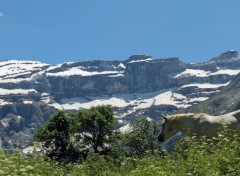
1, 14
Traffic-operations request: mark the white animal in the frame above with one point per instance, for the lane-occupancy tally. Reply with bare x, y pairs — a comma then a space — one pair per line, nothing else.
199, 124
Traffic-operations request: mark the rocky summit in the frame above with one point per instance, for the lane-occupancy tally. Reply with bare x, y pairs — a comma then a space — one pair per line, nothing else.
31, 91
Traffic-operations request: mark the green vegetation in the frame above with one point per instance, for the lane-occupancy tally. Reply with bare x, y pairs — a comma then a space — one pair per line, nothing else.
134, 153
56, 137
142, 137
16, 164
97, 126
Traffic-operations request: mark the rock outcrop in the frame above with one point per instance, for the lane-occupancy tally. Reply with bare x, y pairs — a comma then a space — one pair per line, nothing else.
140, 86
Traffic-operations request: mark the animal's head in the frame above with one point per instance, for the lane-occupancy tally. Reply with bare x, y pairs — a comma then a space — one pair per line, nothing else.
167, 129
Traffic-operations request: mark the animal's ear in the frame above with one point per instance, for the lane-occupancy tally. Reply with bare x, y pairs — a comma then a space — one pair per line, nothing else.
164, 117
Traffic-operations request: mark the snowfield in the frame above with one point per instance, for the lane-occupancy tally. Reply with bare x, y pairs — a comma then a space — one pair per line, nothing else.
143, 60
135, 101
80, 72
16, 91
15, 71
205, 85
203, 73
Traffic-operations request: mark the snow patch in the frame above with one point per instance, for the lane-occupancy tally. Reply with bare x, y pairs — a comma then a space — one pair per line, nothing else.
203, 73
143, 60
226, 71
16, 91
136, 101
121, 65
193, 72
80, 72
2, 102
198, 99
27, 102
17, 71
118, 75
126, 128
205, 85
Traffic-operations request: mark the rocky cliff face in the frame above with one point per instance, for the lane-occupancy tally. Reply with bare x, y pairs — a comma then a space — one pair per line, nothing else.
32, 91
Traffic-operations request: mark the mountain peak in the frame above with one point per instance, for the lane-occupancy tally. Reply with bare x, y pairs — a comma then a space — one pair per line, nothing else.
138, 57
230, 54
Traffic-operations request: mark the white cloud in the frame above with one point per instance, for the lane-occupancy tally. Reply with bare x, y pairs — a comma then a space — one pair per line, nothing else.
1, 14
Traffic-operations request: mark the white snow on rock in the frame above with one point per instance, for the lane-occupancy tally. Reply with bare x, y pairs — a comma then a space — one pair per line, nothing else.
52, 67
28, 102
121, 65
17, 71
124, 129
117, 75
170, 98
2, 102
79, 71
143, 60
193, 72
14, 80
16, 91
198, 99
19, 67
46, 99
205, 85
226, 71
135, 101
45, 94
203, 73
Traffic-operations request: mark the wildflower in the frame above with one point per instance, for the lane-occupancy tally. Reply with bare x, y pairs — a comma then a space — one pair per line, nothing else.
235, 135
214, 138
22, 170
2, 172
29, 168
194, 137
225, 139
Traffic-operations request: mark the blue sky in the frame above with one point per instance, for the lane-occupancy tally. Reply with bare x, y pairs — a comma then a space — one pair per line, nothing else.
55, 31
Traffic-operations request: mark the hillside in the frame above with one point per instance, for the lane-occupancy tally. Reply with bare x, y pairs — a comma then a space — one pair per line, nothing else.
227, 100
31, 91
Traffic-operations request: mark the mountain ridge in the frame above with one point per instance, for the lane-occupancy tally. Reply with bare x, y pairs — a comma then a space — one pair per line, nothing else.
31, 91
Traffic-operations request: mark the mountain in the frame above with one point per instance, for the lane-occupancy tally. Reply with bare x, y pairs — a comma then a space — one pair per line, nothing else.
32, 91
227, 100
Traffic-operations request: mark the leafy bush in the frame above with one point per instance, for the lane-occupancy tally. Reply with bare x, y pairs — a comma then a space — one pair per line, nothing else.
68, 137
97, 126
142, 138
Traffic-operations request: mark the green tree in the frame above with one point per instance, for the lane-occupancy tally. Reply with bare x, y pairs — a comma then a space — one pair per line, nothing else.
55, 136
97, 126
142, 137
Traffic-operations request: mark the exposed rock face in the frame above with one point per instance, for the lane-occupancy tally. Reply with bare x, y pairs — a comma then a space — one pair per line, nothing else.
227, 55
139, 75
226, 101
75, 86
140, 86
